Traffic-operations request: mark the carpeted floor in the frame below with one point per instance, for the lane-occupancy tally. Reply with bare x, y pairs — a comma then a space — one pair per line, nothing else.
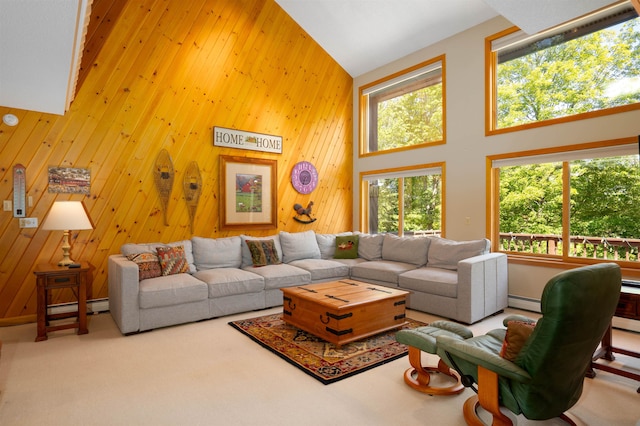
207, 373
322, 360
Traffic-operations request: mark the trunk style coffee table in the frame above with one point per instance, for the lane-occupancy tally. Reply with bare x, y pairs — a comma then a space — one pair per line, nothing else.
343, 311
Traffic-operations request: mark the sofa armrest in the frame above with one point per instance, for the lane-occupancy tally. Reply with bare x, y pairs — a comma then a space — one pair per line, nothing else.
124, 291
482, 286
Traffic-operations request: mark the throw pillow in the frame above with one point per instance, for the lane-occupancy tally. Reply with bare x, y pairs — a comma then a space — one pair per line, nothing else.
411, 250
327, 244
263, 252
446, 254
299, 245
247, 261
148, 265
346, 247
517, 334
210, 253
370, 246
173, 260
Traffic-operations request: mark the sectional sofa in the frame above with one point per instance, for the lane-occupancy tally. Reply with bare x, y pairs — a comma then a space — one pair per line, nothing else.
157, 285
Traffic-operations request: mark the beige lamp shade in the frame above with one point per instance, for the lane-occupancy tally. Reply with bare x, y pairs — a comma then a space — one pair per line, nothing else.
66, 216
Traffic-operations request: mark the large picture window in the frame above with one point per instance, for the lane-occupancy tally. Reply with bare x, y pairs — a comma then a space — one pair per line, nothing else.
404, 110
587, 67
581, 203
404, 202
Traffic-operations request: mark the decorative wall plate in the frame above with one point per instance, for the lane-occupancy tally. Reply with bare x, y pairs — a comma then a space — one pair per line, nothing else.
304, 177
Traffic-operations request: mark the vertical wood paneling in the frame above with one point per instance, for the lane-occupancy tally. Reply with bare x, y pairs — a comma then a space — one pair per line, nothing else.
160, 74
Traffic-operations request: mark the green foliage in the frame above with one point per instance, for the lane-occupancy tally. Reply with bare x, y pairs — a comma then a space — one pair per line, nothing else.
531, 199
570, 78
422, 203
410, 119
387, 205
606, 197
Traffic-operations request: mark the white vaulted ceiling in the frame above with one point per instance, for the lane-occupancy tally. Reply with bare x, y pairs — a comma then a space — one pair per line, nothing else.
41, 41
362, 35
41, 44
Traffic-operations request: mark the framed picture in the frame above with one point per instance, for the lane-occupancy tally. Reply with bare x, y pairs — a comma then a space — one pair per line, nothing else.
69, 180
248, 193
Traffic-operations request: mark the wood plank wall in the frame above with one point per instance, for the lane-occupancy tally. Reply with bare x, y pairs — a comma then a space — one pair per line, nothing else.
160, 74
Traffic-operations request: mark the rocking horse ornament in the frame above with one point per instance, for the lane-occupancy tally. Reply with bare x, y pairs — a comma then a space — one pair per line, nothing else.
301, 211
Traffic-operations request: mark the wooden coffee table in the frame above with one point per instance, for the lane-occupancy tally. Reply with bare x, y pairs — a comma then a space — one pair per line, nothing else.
343, 311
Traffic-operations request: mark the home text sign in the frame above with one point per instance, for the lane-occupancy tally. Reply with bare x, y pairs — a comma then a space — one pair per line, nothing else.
246, 140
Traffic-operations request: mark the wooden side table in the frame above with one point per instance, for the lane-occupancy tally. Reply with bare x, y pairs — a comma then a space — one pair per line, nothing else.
50, 277
628, 307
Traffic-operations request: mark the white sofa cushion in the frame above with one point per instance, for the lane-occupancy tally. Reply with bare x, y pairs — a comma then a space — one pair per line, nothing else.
405, 249
282, 275
446, 254
370, 246
299, 245
442, 282
210, 253
380, 271
171, 290
323, 269
224, 282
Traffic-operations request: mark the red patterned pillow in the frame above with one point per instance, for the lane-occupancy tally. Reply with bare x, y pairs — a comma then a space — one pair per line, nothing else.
172, 260
148, 265
263, 252
518, 333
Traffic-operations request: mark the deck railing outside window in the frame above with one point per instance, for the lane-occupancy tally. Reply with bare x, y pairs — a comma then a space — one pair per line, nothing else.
579, 246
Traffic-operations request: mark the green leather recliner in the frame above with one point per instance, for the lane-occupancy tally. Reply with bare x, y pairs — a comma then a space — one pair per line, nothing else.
546, 378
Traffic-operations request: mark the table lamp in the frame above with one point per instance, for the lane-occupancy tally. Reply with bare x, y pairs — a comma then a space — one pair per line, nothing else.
64, 216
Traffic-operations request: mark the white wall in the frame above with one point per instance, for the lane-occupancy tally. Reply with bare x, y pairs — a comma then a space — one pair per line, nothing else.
467, 146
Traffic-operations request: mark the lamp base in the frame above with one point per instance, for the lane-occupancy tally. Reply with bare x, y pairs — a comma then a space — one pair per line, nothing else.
66, 262
66, 250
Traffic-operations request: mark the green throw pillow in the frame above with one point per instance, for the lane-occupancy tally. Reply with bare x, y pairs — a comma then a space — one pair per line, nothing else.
346, 247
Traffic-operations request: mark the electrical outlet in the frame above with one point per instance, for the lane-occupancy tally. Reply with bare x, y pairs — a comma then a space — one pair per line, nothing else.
29, 222
6, 205
467, 220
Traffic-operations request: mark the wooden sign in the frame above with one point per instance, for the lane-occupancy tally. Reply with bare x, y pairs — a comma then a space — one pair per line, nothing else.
230, 138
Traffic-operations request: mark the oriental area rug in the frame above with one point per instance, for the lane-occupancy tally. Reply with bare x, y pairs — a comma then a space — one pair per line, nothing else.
318, 358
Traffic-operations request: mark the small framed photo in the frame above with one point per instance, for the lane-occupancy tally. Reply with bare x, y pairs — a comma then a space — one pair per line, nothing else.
69, 180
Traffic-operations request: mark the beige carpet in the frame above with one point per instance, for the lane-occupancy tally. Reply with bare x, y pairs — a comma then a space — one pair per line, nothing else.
207, 373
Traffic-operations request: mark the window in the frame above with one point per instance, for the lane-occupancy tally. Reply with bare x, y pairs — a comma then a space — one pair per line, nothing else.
587, 67
404, 110
577, 204
404, 202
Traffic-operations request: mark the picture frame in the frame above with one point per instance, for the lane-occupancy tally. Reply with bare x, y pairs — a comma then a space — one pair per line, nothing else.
248, 193
69, 180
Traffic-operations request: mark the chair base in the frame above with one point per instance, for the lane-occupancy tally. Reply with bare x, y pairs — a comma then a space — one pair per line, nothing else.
470, 411
419, 377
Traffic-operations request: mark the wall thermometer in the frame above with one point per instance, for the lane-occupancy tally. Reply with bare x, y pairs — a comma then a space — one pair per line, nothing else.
19, 191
